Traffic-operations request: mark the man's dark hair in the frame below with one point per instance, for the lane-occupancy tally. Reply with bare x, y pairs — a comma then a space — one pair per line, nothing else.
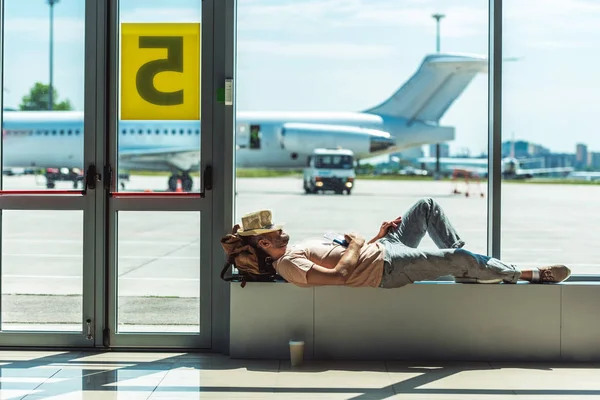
265, 262
250, 260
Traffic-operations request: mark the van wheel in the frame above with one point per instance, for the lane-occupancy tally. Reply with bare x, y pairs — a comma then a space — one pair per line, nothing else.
349, 192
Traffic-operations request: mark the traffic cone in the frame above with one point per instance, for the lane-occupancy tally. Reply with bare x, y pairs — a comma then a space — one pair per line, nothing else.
179, 187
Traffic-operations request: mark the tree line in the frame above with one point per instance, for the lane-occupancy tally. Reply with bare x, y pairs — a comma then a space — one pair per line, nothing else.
37, 99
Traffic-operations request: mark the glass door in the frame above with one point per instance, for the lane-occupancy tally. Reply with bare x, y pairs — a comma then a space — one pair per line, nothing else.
159, 203
48, 181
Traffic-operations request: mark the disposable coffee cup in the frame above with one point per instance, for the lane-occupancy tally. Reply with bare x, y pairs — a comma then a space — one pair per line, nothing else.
296, 352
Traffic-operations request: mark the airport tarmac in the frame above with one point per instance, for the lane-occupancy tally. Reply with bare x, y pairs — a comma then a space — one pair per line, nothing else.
158, 268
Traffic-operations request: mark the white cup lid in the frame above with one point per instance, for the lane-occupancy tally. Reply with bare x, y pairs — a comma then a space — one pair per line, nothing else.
295, 342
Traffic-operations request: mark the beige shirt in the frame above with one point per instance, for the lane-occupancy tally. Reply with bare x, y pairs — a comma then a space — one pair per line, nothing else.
300, 258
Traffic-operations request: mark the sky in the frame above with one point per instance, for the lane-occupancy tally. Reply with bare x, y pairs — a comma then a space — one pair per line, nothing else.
348, 55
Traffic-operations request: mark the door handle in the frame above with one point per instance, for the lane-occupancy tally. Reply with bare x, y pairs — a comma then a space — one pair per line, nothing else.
91, 178
89, 335
207, 180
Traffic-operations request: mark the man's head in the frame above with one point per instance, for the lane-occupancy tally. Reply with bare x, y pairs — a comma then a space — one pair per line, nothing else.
272, 241
258, 229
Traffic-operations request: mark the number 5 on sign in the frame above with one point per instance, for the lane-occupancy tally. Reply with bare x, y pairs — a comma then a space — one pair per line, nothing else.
160, 71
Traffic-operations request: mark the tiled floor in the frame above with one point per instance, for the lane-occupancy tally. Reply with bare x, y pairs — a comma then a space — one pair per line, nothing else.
118, 375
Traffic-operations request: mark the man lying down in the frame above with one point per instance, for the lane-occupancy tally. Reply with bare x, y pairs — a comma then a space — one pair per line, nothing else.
389, 260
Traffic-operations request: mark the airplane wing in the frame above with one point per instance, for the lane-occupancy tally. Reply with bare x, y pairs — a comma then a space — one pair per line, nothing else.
456, 161
183, 158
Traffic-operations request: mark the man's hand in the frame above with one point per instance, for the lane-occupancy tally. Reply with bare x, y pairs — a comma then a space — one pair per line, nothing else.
344, 268
354, 238
385, 228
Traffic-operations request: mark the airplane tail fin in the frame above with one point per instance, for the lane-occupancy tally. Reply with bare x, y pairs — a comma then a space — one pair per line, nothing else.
438, 82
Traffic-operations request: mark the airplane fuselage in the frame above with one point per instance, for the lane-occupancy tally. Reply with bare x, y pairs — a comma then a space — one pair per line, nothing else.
47, 139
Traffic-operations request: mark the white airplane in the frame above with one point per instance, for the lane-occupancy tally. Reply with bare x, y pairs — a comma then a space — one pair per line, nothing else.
410, 117
511, 167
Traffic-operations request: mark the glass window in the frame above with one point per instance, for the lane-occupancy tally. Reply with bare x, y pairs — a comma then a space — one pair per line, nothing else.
30, 107
363, 78
163, 280
42, 270
169, 160
549, 99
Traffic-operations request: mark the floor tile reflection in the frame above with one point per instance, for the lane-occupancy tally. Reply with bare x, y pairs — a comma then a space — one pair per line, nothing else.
132, 376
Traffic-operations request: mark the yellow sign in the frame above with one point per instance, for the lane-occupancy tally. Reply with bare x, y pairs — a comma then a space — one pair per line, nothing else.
160, 71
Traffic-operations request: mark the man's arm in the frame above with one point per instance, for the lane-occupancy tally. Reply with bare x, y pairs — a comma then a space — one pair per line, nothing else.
384, 229
318, 275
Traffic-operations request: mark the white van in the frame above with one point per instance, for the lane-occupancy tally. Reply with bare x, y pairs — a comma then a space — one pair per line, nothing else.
330, 169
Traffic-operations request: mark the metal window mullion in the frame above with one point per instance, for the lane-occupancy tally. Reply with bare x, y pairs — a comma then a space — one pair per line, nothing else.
42, 203
210, 125
98, 90
111, 154
494, 127
92, 118
153, 204
1, 148
224, 152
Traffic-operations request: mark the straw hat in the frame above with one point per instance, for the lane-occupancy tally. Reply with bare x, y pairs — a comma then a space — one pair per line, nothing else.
257, 223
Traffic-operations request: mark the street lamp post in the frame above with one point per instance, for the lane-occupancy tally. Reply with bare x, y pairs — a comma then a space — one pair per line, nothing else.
51, 3
437, 18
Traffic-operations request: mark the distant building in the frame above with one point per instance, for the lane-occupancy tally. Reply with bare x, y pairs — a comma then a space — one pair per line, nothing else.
539, 150
444, 150
559, 160
411, 153
581, 155
520, 148
594, 160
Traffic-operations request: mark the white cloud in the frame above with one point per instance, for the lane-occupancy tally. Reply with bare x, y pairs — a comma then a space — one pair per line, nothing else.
141, 14
561, 44
66, 30
320, 15
552, 18
314, 49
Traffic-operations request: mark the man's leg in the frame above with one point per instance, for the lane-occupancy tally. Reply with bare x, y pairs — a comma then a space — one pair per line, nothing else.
426, 216
406, 265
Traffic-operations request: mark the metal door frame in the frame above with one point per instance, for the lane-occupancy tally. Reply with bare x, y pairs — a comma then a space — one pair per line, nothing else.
202, 203
84, 200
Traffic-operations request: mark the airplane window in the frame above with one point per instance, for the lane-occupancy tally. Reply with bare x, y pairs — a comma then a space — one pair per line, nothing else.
131, 131
46, 133
77, 132
69, 132
149, 131
62, 132
189, 131
53, 132
140, 131
174, 131
157, 131
197, 131
181, 131
166, 132
124, 132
